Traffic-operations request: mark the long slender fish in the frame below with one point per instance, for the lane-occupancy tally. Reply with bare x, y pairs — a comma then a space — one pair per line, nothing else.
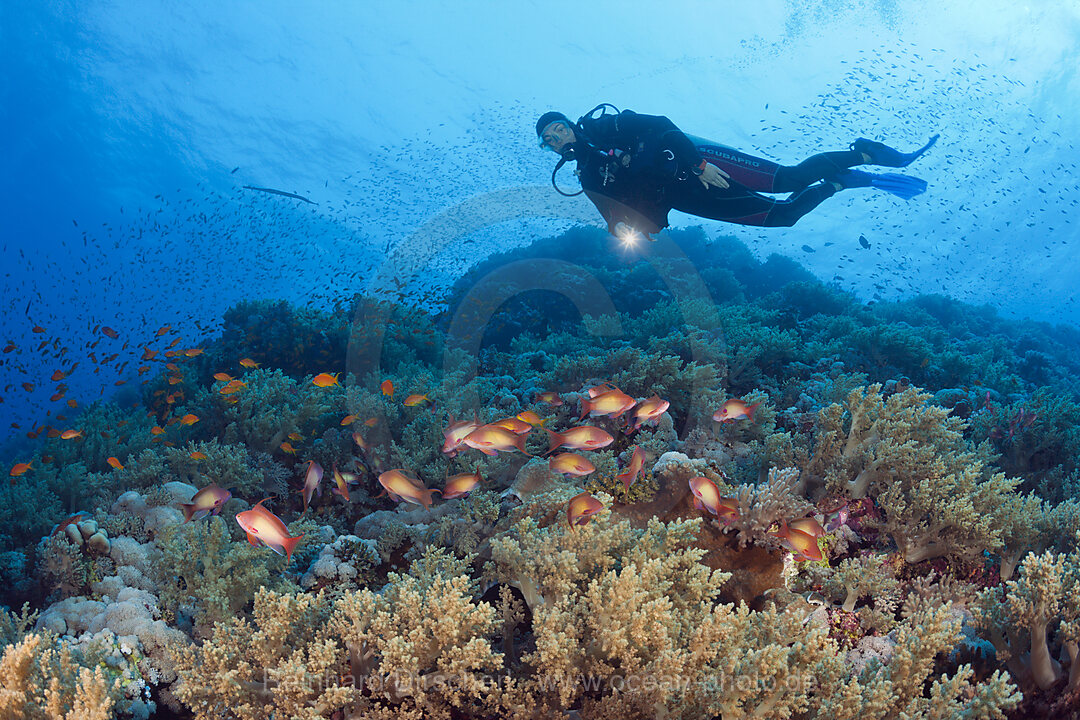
272, 191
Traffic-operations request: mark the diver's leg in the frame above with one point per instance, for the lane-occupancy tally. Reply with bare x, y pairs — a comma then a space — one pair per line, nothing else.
787, 212
739, 205
763, 175
792, 178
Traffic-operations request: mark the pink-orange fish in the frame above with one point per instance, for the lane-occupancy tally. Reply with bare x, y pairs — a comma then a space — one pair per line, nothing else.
735, 409
706, 494
416, 399
551, 398
341, 486
399, 485
803, 545
205, 502
570, 464
581, 509
530, 417
514, 425
649, 410
455, 434
311, 482
612, 402
582, 437
263, 526
808, 525
387, 388
490, 439
461, 485
637, 462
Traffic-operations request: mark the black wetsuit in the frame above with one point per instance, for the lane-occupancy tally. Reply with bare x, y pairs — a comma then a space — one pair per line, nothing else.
636, 168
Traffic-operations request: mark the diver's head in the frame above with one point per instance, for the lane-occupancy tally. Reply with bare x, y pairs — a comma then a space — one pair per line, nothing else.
555, 131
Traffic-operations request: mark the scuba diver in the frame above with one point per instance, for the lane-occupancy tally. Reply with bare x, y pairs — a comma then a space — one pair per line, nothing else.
637, 168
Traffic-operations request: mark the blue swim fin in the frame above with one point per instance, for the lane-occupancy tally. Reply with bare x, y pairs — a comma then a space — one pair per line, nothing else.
900, 185
881, 154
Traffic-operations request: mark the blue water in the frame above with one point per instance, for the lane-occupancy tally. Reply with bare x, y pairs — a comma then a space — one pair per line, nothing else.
128, 119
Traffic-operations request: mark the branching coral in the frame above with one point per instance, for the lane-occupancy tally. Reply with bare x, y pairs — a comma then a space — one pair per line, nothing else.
44, 679
279, 663
763, 506
204, 572
864, 443
859, 577
1046, 592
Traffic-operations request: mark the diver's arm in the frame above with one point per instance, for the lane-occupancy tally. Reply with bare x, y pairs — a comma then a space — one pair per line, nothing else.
608, 209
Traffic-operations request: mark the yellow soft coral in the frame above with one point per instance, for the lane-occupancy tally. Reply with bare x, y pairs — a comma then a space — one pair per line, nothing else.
1046, 590
42, 678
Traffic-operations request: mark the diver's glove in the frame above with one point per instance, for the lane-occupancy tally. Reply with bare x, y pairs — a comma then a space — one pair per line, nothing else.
899, 185
881, 154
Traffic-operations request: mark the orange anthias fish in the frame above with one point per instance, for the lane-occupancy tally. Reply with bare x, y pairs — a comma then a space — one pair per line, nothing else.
325, 380
551, 398
58, 376
735, 409
348, 420
20, 469
311, 482
570, 464
582, 437
612, 402
489, 439
248, 363
461, 485
109, 332
263, 526
359, 440
581, 509
808, 525
414, 400
113, 462
157, 430
532, 418
804, 545
649, 410
341, 487
455, 434
387, 388
222, 377
401, 486
198, 455
189, 419
71, 434
288, 448
514, 425
231, 387
706, 494
637, 462
205, 502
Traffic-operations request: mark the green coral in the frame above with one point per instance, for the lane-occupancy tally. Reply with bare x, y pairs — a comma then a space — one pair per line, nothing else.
208, 574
